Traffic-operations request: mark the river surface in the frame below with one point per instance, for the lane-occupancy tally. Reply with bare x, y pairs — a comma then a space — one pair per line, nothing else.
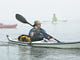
64, 31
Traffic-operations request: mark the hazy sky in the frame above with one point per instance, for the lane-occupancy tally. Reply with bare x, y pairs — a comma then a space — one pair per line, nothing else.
39, 9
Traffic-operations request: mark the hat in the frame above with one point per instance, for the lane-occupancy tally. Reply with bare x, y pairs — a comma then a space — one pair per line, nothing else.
37, 22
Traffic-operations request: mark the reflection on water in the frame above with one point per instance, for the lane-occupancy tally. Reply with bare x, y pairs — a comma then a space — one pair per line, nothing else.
32, 53
38, 53
24, 53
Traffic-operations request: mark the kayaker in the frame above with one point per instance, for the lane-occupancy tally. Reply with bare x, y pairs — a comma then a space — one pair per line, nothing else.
37, 33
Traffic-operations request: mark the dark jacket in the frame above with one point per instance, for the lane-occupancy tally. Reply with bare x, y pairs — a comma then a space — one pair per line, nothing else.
38, 34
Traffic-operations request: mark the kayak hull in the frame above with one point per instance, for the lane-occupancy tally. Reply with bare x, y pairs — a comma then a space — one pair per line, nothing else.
8, 25
47, 44
57, 45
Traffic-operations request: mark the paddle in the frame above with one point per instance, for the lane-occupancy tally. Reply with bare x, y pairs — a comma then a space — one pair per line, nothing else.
23, 20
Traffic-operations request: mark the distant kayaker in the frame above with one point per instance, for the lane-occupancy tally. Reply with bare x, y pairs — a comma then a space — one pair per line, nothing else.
37, 33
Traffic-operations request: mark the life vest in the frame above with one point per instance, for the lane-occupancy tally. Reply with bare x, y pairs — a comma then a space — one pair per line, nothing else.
24, 38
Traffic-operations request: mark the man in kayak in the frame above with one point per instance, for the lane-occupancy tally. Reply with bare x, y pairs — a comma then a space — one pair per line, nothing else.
37, 33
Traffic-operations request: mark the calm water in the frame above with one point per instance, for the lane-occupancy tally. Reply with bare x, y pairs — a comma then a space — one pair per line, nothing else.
64, 31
